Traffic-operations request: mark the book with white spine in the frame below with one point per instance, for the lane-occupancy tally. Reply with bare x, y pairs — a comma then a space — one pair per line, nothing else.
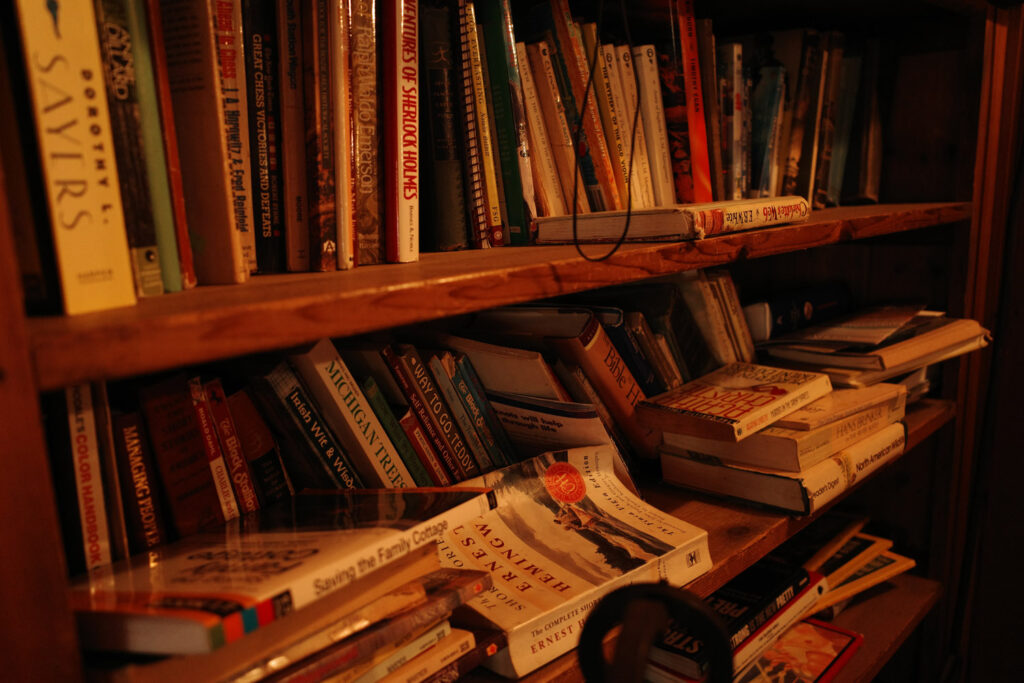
652, 109
545, 171
642, 184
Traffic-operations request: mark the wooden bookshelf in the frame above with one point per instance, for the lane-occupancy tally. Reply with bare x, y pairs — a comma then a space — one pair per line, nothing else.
740, 535
273, 312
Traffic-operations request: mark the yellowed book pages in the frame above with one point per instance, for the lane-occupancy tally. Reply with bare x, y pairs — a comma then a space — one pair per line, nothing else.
76, 148
487, 150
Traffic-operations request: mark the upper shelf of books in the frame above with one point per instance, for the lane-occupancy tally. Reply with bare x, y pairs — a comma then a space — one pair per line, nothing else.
273, 312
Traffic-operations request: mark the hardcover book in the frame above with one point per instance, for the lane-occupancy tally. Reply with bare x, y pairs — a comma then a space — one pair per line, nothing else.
565, 532
733, 402
802, 492
203, 592
257, 442
211, 447
64, 73
231, 447
141, 490
400, 101
675, 222
294, 192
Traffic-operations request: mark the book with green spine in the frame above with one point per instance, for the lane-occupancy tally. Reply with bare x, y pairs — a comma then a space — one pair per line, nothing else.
394, 430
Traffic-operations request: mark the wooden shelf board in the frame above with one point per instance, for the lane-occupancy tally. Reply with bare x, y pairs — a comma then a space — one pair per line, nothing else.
740, 535
276, 311
886, 619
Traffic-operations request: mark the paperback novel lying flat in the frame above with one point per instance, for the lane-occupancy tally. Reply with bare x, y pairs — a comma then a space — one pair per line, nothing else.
212, 588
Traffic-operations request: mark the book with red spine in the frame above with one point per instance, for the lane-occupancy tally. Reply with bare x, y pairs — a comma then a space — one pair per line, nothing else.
211, 446
401, 112
231, 447
700, 164
269, 476
424, 451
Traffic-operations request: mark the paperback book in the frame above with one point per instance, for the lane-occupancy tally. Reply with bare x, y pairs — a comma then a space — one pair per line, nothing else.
811, 651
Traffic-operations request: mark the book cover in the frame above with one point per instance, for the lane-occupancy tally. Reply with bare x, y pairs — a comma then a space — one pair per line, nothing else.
180, 455
743, 604
472, 393
846, 102
637, 161
810, 651
767, 99
211, 448
210, 144
345, 119
652, 109
417, 469
442, 368
294, 192
834, 46
622, 328
794, 450
843, 403
476, 189
203, 592
537, 425
488, 643
546, 179
421, 443
320, 119
321, 444
163, 141
349, 416
117, 44
444, 590
555, 544
606, 83
64, 74
733, 84
268, 475
880, 569
366, 133
393, 655
802, 492
454, 645
728, 300
818, 541
237, 464
141, 494
400, 116
733, 402
698, 293
443, 200
509, 120
801, 157
84, 448
114, 491
850, 557
675, 222
262, 54
706, 50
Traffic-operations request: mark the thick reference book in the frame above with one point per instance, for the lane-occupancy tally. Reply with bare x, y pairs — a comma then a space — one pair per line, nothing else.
733, 402
198, 594
792, 449
810, 651
69, 104
743, 604
675, 221
565, 532
800, 492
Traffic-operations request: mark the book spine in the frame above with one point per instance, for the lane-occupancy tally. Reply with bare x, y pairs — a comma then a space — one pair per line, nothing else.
749, 213
231, 447
673, 95
259, 27
829, 107
207, 165
62, 55
550, 196
635, 357
708, 317
709, 88
729, 302
268, 474
292, 138
443, 371
152, 149
211, 446
446, 424
367, 178
805, 106
418, 471
349, 416
642, 187
475, 186
400, 64
339, 45
509, 120
113, 489
766, 110
480, 412
116, 43
652, 109
846, 102
180, 458
484, 649
161, 136
557, 126
610, 100
407, 382
594, 352
84, 447
395, 654
495, 226
577, 69
699, 163
730, 68
304, 414
322, 219
141, 495
227, 30
825, 481
413, 429
445, 198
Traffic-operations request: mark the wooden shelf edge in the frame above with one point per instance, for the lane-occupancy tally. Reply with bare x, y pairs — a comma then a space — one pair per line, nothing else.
277, 311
